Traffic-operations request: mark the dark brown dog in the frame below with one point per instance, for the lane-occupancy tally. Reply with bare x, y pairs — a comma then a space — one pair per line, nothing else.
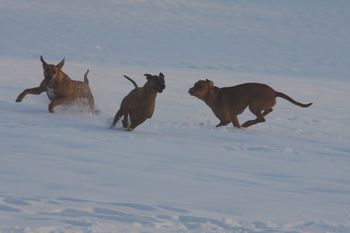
228, 102
60, 89
140, 102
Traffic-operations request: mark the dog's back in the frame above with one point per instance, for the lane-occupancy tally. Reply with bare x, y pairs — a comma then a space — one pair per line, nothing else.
81, 88
247, 89
239, 96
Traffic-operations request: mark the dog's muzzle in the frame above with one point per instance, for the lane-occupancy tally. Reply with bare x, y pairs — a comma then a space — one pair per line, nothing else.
160, 89
190, 91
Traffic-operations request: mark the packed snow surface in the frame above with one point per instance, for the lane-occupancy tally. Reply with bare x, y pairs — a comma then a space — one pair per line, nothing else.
69, 172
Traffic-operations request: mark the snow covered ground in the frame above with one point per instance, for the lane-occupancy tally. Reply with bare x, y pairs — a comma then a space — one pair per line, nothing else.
68, 172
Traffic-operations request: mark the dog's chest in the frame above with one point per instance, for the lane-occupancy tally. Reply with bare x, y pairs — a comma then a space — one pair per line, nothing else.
50, 92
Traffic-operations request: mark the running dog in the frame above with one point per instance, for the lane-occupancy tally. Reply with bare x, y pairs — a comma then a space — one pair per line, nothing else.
60, 89
228, 102
140, 102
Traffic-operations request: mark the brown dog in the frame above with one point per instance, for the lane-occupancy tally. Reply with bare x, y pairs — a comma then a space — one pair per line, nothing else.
228, 102
140, 102
60, 89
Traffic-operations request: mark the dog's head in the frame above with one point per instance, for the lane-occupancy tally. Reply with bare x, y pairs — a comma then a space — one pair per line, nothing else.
50, 70
201, 88
157, 82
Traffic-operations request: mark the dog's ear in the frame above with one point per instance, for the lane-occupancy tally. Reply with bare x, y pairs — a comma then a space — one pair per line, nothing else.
211, 84
161, 75
148, 76
60, 65
43, 61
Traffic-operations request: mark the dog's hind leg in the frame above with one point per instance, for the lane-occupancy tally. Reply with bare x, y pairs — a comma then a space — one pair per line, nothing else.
260, 108
91, 104
259, 118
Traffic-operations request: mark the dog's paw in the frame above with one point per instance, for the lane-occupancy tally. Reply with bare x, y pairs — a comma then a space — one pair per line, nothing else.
51, 108
19, 99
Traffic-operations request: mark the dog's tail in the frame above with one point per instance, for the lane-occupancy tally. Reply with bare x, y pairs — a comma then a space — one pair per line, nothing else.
86, 80
286, 97
132, 81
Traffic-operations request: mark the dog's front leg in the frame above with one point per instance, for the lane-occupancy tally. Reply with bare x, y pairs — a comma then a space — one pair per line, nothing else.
235, 122
222, 123
51, 106
125, 120
56, 102
117, 117
33, 91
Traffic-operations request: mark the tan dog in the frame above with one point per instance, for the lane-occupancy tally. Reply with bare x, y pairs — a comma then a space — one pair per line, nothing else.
140, 102
60, 89
228, 102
